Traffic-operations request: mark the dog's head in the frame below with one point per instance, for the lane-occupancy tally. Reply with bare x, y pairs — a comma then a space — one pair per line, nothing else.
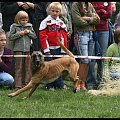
37, 59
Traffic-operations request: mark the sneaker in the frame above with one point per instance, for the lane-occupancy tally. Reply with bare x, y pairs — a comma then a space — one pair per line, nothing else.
65, 87
78, 87
51, 89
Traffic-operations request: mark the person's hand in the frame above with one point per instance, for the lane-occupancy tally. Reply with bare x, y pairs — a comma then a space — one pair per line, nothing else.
105, 11
69, 34
30, 4
0, 60
21, 33
26, 31
27, 5
86, 18
93, 14
20, 3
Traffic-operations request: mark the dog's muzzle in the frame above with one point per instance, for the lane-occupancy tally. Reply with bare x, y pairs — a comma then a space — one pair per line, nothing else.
36, 60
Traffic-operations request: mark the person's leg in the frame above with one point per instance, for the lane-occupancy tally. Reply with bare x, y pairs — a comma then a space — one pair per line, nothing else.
6, 79
18, 70
84, 38
28, 72
49, 85
91, 78
90, 82
102, 38
58, 83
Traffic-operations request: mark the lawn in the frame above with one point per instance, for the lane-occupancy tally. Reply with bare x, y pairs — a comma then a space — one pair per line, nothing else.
58, 104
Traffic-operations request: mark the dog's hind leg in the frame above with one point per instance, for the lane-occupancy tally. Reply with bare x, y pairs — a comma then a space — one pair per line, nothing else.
27, 87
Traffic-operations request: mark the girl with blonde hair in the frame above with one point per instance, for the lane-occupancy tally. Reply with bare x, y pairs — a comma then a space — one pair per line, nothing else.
21, 33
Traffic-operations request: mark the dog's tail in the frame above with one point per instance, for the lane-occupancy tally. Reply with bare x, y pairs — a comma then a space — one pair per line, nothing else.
64, 48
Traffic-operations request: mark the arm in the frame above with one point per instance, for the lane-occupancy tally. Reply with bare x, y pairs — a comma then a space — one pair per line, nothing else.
7, 8
43, 37
104, 12
108, 12
31, 33
6, 62
13, 35
94, 19
77, 18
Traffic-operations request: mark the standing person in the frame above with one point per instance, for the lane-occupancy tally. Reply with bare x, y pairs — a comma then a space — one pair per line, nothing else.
35, 10
114, 51
116, 9
66, 18
101, 34
6, 78
51, 27
84, 18
117, 21
21, 33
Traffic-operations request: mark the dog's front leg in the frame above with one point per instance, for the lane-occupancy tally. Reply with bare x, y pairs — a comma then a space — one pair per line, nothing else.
32, 90
27, 87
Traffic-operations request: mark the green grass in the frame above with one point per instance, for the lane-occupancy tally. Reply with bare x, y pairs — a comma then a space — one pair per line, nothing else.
58, 104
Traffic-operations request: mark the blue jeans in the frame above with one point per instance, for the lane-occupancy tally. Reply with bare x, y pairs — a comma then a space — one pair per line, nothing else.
58, 83
102, 38
6, 79
85, 45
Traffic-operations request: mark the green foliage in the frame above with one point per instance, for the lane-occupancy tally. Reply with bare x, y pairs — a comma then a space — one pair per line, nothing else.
58, 104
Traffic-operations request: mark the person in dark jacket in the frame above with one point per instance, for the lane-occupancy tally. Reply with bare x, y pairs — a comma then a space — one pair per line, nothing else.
5, 62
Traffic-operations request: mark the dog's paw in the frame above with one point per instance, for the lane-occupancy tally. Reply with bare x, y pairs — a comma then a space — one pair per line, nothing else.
24, 98
11, 95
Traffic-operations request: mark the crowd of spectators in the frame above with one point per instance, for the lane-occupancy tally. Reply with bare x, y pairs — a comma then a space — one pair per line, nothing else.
85, 28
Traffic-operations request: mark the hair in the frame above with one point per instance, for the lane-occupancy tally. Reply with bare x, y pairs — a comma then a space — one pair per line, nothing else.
21, 15
117, 35
2, 31
56, 5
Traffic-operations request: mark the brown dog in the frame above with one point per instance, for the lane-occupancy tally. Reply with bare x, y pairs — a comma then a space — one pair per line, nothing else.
47, 72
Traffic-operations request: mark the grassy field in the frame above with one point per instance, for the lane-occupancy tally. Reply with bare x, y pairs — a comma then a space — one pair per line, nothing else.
58, 104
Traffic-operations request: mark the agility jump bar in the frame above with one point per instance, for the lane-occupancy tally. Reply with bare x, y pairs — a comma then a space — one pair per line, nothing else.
76, 56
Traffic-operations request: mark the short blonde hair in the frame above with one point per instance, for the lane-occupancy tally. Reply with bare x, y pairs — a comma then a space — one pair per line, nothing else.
21, 15
56, 5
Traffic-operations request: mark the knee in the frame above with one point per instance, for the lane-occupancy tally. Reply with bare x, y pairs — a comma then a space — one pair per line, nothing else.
7, 79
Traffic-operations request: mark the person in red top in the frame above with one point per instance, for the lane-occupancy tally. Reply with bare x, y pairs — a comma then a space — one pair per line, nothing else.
51, 27
101, 34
